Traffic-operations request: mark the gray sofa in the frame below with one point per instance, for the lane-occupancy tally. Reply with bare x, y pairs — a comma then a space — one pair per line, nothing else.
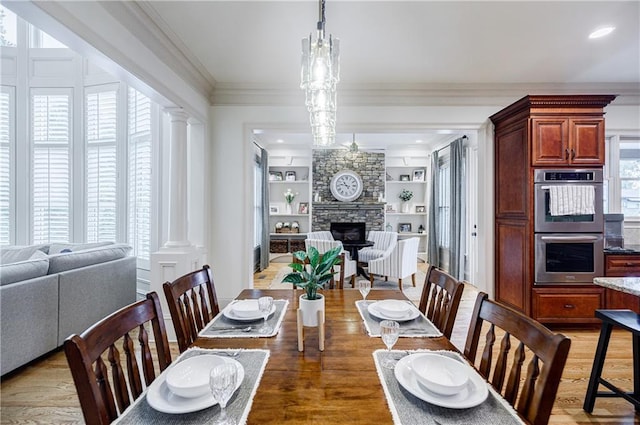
48, 292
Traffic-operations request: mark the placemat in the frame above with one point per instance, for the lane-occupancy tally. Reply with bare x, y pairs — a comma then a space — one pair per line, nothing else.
408, 409
254, 362
420, 327
223, 327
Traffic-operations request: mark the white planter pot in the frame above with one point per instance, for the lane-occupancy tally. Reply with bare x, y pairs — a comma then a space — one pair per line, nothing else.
405, 207
310, 310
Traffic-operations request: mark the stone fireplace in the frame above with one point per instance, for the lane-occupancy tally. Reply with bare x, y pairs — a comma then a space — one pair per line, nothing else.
371, 168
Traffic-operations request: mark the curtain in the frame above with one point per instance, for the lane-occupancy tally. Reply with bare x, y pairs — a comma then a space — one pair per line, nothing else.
265, 242
457, 219
433, 253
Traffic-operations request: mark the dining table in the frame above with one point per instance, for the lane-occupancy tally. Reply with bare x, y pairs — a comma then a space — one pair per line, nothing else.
340, 384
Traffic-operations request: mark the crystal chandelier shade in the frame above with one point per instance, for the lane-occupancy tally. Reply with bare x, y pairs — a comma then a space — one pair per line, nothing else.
319, 76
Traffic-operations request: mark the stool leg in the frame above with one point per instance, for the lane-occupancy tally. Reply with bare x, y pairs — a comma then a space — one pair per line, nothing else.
596, 370
636, 369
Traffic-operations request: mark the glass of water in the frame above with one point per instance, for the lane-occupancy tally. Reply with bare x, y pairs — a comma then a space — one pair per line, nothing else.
364, 286
222, 381
389, 331
265, 304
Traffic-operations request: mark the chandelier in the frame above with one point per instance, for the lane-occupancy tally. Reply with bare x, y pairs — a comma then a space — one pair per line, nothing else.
320, 74
353, 148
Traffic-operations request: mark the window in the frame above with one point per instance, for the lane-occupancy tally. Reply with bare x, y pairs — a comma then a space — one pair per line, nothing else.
101, 172
51, 141
7, 137
623, 176
140, 160
8, 28
444, 202
39, 39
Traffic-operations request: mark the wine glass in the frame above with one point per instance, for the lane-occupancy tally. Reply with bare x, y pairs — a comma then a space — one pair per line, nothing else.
364, 286
389, 331
222, 381
265, 304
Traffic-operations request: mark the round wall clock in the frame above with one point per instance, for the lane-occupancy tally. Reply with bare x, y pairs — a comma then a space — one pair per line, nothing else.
346, 186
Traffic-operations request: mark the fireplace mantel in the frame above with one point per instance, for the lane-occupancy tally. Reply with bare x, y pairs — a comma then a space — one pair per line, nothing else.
348, 205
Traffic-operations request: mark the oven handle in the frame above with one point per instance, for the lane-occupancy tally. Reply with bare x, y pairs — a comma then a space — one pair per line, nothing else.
569, 238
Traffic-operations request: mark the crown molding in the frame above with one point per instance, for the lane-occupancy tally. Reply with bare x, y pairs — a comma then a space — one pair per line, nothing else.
420, 94
142, 20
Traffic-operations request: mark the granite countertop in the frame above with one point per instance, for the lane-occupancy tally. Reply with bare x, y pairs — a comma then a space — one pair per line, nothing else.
628, 249
630, 285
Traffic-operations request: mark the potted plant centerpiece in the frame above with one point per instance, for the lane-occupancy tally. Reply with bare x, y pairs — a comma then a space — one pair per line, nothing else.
311, 272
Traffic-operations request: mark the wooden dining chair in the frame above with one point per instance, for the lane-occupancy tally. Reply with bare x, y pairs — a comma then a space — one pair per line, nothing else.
440, 299
192, 304
534, 341
105, 395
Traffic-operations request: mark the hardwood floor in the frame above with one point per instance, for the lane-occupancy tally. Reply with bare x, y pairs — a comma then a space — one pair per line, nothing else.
43, 391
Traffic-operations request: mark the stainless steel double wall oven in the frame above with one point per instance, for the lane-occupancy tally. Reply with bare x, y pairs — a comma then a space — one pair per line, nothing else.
568, 248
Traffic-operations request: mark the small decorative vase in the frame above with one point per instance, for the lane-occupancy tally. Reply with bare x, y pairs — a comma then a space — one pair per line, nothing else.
310, 310
288, 209
405, 207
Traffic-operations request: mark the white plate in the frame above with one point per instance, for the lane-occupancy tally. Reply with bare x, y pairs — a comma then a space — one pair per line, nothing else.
394, 308
411, 314
163, 400
473, 394
230, 314
189, 378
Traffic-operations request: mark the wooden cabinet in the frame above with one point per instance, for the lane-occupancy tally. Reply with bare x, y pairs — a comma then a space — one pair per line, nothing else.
567, 305
622, 265
545, 131
558, 142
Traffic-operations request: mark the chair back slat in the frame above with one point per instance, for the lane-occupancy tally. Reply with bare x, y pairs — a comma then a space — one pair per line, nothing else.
103, 401
192, 303
513, 384
440, 299
540, 386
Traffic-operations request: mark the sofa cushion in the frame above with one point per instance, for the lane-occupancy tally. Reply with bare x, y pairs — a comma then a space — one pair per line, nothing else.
37, 265
57, 248
15, 254
76, 259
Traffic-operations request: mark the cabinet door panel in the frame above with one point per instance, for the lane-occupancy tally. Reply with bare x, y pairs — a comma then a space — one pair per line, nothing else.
587, 141
512, 177
620, 300
512, 264
550, 141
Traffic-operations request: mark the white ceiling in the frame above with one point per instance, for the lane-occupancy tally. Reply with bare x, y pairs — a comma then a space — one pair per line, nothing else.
407, 44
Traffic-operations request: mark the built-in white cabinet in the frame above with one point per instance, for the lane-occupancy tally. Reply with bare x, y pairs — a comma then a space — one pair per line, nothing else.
409, 172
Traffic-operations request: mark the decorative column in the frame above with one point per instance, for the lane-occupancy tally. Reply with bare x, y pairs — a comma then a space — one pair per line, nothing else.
177, 256
178, 224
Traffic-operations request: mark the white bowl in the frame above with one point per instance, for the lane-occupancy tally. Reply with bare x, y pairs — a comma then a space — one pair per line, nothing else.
246, 308
190, 378
393, 308
440, 374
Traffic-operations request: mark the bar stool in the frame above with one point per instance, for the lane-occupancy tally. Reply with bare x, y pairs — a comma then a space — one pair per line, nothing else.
629, 321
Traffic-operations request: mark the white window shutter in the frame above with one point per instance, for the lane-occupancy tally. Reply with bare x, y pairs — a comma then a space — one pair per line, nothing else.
7, 106
50, 134
101, 163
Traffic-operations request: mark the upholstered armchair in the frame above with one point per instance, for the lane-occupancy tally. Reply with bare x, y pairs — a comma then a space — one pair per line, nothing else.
347, 266
383, 244
400, 263
320, 235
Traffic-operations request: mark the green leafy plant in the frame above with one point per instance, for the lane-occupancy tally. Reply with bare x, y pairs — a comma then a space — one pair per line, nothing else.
405, 195
313, 270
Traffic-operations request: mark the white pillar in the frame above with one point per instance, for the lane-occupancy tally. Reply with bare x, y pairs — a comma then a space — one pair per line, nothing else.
178, 223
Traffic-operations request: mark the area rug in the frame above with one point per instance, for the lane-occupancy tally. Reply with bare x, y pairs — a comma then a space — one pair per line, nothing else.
410, 292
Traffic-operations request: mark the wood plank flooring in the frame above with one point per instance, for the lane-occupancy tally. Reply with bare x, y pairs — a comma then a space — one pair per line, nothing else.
43, 391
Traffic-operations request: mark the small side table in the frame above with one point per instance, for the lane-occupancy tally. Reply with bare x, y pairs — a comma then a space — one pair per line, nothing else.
353, 247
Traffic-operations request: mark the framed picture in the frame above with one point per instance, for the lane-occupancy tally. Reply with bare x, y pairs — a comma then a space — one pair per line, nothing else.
404, 227
404, 177
418, 175
274, 209
275, 176
421, 209
303, 208
290, 176
391, 208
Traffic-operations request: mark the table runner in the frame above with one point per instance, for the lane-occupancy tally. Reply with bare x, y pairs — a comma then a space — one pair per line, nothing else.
416, 328
408, 409
223, 327
254, 362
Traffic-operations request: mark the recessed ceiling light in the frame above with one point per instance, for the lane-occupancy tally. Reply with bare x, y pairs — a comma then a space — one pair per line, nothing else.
601, 32
279, 141
418, 141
